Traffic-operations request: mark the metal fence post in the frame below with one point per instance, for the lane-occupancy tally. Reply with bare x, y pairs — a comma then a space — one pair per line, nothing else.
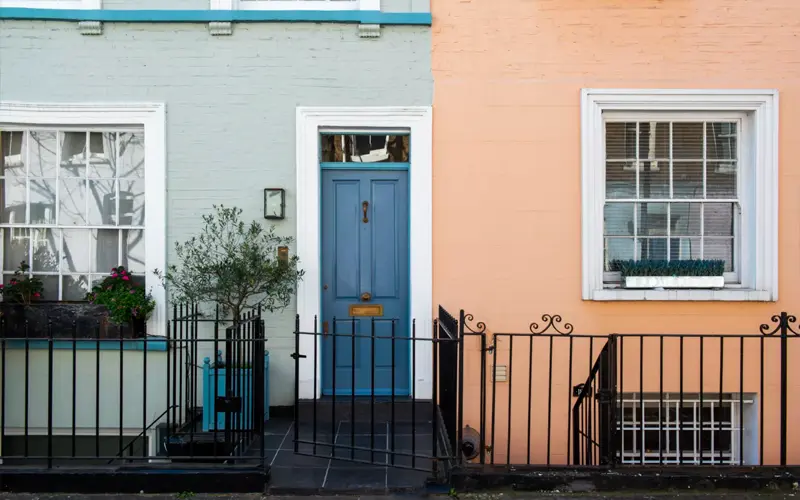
784, 325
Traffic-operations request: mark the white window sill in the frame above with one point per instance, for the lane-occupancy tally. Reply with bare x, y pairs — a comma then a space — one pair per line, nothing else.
724, 295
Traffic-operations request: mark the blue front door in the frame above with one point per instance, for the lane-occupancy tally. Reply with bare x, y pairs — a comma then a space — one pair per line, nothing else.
365, 262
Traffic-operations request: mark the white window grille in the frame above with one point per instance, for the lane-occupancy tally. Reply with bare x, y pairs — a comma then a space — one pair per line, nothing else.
72, 205
676, 430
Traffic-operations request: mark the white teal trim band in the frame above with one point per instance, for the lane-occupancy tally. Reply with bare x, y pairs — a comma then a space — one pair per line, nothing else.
206, 16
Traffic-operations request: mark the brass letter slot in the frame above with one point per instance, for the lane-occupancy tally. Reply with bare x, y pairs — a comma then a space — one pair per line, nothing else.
366, 310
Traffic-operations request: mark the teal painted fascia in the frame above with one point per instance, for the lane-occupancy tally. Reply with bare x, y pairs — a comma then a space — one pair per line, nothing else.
89, 345
205, 16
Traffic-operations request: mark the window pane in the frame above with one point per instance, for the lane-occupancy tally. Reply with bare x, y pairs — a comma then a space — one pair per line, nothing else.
687, 141
45, 250
131, 202
618, 219
685, 248
721, 179
653, 249
73, 154
718, 219
719, 249
618, 249
13, 199
654, 140
687, 179
43, 201
74, 287
102, 202
72, 202
620, 180
12, 145
16, 248
362, 148
653, 179
102, 154
49, 287
42, 153
620, 140
105, 250
75, 257
721, 141
133, 251
131, 150
686, 219
652, 219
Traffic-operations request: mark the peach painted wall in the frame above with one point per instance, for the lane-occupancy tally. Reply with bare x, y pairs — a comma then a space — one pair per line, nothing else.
507, 206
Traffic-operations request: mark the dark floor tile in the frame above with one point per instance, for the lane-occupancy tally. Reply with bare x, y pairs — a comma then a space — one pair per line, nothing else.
286, 458
373, 450
348, 479
297, 477
277, 426
276, 441
364, 426
400, 478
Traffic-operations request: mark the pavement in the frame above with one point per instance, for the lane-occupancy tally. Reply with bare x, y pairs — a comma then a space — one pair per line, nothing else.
453, 496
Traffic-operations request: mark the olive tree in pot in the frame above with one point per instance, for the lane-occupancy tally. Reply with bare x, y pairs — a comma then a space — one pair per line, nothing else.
232, 265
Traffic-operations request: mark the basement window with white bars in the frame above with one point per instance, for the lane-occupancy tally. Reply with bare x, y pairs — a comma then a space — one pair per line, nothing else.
72, 205
686, 430
672, 190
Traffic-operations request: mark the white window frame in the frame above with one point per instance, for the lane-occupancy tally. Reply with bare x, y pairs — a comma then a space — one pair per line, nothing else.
328, 5
53, 4
152, 118
759, 237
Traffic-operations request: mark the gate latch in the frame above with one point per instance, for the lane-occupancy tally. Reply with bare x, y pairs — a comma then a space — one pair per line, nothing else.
228, 404
604, 396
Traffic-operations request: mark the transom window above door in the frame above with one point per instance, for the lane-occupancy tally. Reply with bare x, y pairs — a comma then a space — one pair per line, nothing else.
672, 192
374, 147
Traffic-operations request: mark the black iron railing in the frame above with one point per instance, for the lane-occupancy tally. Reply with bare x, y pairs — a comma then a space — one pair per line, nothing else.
553, 397
73, 399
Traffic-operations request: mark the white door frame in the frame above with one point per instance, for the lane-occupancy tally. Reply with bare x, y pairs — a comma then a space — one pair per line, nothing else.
418, 121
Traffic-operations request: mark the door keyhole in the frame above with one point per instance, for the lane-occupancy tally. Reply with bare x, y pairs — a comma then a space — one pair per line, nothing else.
364, 207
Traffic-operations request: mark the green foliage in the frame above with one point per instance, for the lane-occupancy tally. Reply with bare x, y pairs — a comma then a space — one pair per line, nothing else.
22, 288
233, 264
668, 268
124, 300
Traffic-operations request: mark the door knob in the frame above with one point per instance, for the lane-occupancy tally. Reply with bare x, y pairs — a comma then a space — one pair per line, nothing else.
366, 296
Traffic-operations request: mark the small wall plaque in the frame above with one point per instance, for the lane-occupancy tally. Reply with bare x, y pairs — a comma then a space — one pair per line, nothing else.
368, 310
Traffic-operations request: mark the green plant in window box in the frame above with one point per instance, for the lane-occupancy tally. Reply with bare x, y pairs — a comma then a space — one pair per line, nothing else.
22, 288
675, 268
127, 302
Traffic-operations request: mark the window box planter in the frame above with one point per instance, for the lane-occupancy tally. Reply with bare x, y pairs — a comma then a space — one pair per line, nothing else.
63, 319
242, 386
674, 282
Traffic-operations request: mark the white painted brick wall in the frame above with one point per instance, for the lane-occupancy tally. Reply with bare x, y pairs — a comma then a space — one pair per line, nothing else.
230, 104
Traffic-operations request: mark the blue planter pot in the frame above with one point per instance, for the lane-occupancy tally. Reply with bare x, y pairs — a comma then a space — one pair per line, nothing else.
241, 386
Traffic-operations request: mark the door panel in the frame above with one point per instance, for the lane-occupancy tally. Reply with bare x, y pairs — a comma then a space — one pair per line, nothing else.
365, 257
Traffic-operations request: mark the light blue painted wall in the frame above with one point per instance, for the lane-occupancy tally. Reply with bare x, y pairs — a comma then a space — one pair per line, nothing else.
231, 104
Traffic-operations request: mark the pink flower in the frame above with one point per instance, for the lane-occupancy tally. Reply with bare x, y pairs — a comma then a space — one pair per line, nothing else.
132, 291
125, 278
114, 275
37, 294
1, 285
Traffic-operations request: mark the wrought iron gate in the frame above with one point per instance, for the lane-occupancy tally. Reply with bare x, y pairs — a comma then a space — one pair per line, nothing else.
410, 431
